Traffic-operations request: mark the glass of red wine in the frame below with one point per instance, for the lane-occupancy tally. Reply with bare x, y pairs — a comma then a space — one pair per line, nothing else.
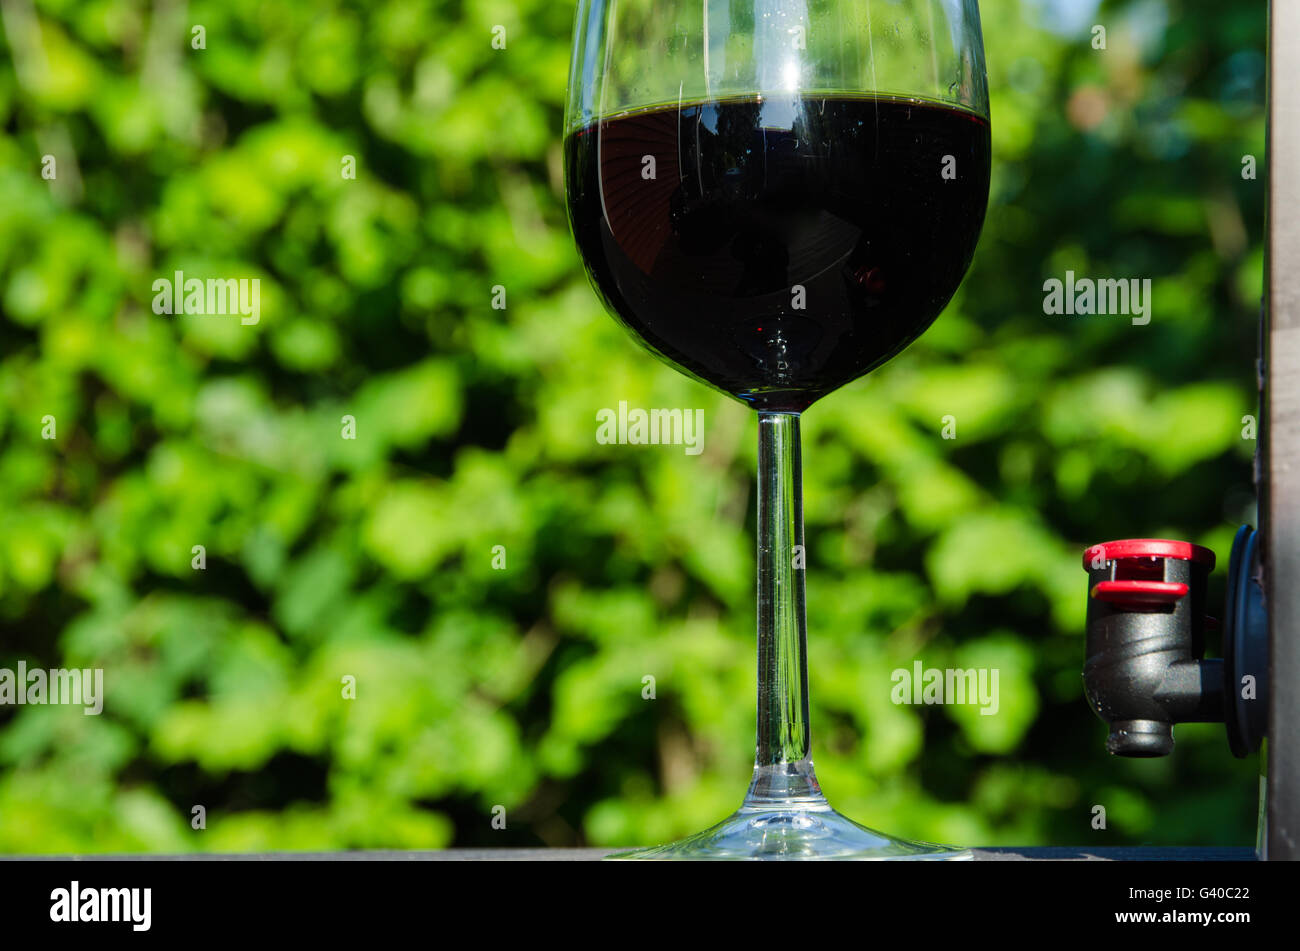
776, 197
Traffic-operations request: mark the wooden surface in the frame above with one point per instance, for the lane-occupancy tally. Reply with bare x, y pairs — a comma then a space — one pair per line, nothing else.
1280, 465
1079, 854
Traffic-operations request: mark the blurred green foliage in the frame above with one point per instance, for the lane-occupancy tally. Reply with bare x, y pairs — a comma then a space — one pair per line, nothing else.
372, 558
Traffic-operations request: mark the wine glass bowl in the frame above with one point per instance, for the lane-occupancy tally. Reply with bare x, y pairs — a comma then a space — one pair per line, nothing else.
776, 197
779, 248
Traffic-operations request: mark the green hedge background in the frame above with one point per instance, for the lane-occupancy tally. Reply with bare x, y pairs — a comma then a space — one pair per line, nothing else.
372, 558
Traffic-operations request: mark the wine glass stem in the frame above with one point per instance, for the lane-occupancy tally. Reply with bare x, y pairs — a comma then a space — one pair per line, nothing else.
783, 770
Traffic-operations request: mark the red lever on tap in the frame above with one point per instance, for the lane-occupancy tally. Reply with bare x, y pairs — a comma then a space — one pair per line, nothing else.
1138, 578
1137, 593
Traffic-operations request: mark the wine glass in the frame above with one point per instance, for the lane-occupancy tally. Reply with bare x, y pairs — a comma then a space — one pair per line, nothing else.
776, 197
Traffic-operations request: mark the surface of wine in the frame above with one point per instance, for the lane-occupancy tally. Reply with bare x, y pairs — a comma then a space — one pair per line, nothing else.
779, 247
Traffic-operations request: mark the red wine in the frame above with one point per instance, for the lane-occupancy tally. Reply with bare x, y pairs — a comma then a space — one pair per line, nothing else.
778, 248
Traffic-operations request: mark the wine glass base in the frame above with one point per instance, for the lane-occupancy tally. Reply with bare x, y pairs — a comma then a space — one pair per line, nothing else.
794, 831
